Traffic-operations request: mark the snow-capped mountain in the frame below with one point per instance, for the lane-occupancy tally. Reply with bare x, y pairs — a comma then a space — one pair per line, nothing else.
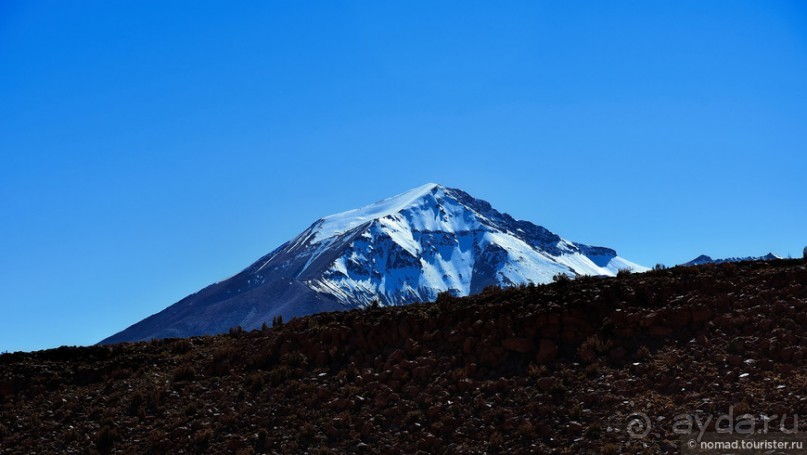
403, 249
704, 259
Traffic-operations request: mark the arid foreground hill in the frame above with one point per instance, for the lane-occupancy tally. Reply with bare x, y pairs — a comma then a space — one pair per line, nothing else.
555, 368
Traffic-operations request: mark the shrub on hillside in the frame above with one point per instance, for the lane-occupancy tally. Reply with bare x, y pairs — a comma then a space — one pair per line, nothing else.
444, 301
183, 373
105, 439
561, 278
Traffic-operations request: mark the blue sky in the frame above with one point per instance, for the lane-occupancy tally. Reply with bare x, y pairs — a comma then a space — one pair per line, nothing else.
151, 148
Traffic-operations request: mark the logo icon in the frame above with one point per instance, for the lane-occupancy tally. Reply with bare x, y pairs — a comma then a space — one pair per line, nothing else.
638, 425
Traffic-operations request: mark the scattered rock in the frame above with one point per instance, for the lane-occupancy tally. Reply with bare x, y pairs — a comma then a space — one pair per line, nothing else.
499, 372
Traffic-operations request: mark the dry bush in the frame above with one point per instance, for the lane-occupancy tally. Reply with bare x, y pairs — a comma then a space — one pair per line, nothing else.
183, 373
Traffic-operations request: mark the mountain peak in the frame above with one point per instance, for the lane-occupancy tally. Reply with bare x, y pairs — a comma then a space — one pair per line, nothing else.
704, 259
403, 249
337, 224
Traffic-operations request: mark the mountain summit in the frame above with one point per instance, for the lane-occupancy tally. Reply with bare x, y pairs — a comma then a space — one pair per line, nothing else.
704, 259
403, 249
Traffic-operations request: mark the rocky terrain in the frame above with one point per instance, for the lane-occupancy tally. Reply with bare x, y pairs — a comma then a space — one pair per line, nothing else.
557, 368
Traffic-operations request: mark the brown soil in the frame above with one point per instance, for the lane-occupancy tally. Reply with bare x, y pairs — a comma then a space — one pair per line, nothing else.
539, 369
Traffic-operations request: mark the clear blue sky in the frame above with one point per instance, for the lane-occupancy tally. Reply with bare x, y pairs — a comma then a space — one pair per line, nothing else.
150, 148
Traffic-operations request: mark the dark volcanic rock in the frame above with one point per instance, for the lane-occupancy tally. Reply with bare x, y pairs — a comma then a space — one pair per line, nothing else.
538, 369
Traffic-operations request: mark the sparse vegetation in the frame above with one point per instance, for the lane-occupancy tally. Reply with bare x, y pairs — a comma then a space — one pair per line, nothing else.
593, 431
535, 369
624, 272
561, 278
444, 301
105, 439
183, 373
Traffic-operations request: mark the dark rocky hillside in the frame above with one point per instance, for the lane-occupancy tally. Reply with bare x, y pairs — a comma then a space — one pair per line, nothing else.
553, 368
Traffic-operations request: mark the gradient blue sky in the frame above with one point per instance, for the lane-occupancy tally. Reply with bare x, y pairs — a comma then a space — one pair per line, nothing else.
150, 148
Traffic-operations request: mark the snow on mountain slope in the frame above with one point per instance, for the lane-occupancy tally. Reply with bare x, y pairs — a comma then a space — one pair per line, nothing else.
400, 250
432, 239
333, 225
